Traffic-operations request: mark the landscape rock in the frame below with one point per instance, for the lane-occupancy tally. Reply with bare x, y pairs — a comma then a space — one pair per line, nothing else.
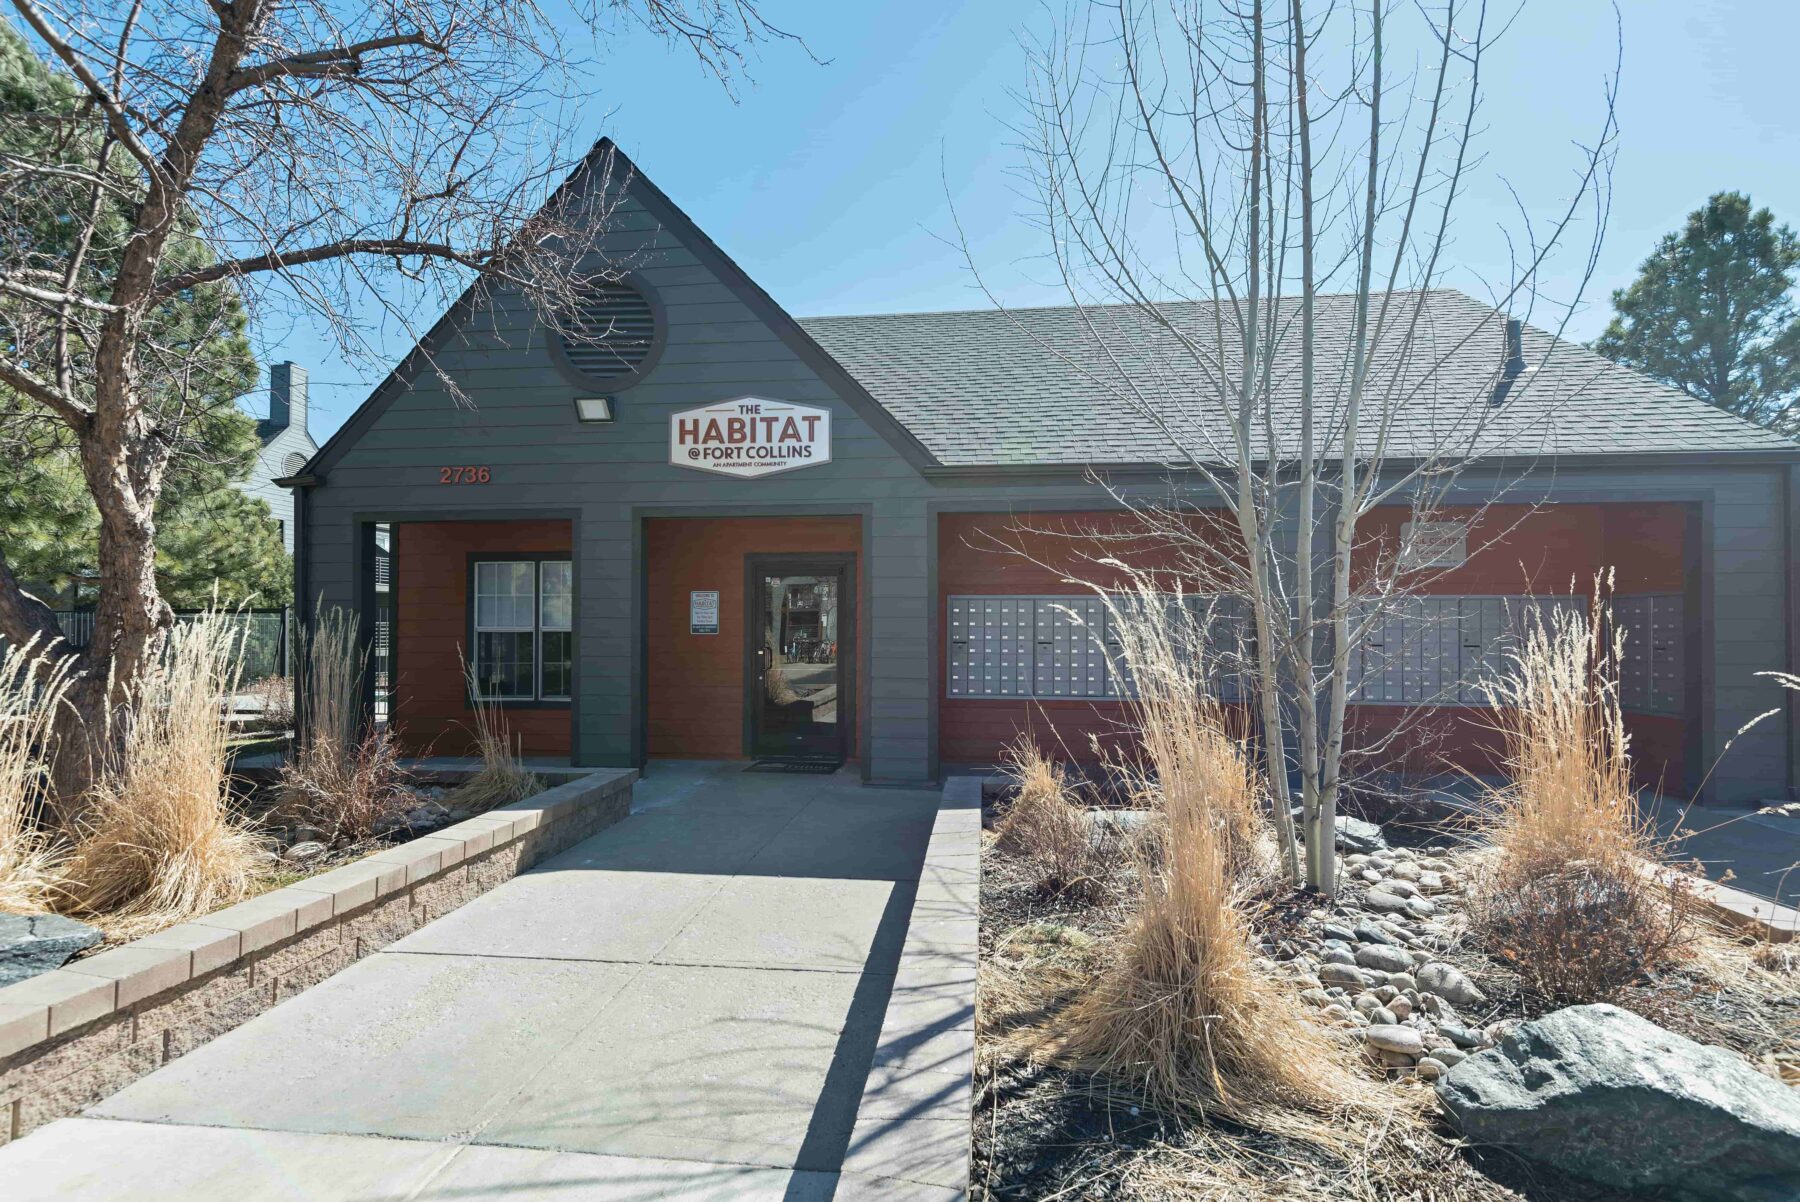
1602, 1093
1355, 835
1391, 1037
1368, 932
1383, 957
1460, 1035
35, 943
1384, 902
1347, 975
1448, 982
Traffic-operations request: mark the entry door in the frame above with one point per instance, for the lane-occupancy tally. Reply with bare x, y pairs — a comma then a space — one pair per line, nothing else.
798, 686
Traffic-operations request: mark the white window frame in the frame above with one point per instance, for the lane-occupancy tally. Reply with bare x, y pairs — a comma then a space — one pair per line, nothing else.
538, 642
536, 629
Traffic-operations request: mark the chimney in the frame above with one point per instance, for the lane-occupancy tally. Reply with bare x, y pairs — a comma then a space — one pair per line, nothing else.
1514, 366
287, 397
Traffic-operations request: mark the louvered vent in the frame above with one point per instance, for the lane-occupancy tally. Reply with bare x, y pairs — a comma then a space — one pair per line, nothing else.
614, 329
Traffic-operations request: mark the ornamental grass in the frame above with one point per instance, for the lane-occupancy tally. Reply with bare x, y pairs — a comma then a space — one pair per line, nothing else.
344, 778
1178, 1012
1575, 898
33, 685
160, 839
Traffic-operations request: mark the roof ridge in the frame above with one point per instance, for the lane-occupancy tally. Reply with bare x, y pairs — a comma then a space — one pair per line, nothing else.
1002, 309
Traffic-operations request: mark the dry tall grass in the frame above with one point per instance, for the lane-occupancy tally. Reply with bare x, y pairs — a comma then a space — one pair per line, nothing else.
1185, 733
1046, 830
1180, 1013
346, 784
32, 686
501, 780
160, 840
1568, 899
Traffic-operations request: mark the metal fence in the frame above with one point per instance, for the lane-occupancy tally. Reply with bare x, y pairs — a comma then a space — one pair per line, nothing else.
268, 637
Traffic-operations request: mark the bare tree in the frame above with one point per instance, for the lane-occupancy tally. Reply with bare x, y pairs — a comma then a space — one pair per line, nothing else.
1249, 207
293, 152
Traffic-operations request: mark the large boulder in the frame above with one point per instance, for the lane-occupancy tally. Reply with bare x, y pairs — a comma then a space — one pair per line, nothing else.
1355, 835
34, 943
1601, 1093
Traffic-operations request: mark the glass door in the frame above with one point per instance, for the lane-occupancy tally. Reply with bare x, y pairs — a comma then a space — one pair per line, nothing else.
799, 704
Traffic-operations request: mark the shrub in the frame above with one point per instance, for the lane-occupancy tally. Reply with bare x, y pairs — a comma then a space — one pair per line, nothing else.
1045, 830
501, 779
160, 839
32, 686
346, 784
1571, 900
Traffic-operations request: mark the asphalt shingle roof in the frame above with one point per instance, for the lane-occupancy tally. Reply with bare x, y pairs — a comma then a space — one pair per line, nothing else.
1110, 385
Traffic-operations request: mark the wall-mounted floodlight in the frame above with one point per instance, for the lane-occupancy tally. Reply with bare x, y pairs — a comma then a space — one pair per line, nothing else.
594, 409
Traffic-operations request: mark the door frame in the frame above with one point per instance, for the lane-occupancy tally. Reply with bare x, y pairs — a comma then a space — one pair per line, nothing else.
844, 565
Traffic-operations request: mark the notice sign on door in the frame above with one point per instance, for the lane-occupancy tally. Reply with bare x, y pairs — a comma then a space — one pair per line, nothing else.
750, 436
703, 611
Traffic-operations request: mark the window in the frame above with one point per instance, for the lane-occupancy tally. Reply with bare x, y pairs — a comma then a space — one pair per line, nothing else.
524, 629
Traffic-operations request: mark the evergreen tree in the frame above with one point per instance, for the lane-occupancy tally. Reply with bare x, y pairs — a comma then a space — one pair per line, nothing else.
207, 532
1712, 312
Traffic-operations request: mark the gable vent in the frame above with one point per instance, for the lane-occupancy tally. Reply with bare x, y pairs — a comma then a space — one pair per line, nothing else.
613, 330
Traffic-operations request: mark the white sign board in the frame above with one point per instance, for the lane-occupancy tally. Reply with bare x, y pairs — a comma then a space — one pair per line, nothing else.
749, 437
1433, 545
703, 611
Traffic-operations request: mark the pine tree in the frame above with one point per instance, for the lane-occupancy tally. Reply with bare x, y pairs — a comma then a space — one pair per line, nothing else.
207, 532
1712, 312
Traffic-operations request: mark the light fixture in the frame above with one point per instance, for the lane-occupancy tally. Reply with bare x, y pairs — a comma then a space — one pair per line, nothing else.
593, 409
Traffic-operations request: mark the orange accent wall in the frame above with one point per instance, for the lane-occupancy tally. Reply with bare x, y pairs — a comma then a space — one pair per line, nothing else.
431, 633
695, 707
1513, 549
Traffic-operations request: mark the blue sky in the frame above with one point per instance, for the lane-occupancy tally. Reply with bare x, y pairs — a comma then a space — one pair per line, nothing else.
833, 184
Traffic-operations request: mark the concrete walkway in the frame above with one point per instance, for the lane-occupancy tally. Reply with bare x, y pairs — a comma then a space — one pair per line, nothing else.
684, 1006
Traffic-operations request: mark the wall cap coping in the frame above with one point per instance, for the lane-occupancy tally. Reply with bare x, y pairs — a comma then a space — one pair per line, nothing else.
913, 1122
52, 1003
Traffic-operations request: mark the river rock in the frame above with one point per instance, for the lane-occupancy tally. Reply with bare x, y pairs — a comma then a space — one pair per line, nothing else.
1369, 932
1448, 982
1604, 1094
1347, 975
1381, 956
35, 943
1391, 1037
1384, 902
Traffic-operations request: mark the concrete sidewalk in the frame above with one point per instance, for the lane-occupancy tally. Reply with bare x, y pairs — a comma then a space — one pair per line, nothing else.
1754, 852
684, 1006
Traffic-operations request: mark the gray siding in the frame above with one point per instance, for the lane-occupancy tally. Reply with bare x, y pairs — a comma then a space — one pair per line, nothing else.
608, 478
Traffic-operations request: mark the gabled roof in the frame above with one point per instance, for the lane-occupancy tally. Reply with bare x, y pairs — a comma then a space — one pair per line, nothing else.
606, 156
1109, 385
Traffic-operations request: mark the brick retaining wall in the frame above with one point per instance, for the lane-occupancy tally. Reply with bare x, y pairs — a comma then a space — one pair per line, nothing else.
71, 1037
